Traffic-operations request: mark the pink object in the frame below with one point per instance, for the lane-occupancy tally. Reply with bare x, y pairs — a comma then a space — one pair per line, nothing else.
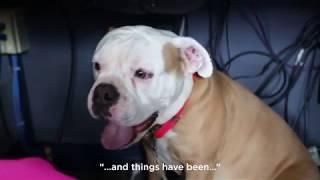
30, 169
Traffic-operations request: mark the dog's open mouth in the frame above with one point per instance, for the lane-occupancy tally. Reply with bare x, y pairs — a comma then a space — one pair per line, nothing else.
116, 136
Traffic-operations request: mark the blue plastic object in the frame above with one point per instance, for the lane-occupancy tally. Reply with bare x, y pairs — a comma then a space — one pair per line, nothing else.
16, 99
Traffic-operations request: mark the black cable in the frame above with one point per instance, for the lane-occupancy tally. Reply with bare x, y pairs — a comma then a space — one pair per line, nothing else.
318, 100
210, 41
2, 115
227, 41
26, 112
307, 100
306, 40
309, 76
292, 80
4, 122
219, 10
3, 37
267, 41
262, 36
275, 58
67, 113
284, 72
286, 108
280, 89
267, 44
296, 72
269, 78
265, 67
186, 25
227, 64
304, 134
253, 52
261, 53
313, 34
224, 12
310, 84
261, 72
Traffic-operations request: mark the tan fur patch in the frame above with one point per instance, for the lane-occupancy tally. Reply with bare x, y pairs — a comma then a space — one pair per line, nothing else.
172, 59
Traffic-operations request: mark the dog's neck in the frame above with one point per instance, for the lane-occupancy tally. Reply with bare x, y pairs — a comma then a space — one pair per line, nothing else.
178, 103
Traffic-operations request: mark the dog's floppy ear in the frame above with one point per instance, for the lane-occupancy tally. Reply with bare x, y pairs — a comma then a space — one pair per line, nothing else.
195, 58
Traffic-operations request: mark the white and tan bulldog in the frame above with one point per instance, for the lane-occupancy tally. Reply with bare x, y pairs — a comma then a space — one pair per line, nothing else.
147, 78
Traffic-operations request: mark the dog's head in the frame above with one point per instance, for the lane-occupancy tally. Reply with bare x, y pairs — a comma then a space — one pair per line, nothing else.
141, 75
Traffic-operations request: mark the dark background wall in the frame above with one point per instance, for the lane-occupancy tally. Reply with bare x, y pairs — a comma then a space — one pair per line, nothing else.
59, 41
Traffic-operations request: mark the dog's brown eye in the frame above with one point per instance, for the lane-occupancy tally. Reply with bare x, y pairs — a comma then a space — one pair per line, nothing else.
97, 66
140, 73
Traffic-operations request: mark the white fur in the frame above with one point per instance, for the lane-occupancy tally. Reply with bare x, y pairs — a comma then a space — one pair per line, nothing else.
134, 174
162, 150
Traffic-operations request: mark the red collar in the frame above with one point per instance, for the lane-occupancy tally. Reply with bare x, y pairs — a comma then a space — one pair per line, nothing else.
164, 128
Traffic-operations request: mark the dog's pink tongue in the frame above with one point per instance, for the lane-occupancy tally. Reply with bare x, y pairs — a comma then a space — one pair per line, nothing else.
115, 136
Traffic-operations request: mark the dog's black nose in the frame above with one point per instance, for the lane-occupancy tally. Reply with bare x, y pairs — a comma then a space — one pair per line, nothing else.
105, 95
